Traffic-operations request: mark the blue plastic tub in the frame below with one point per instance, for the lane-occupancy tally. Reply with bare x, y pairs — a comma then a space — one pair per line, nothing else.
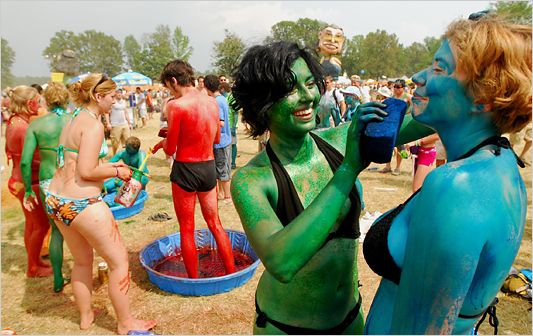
119, 211
167, 245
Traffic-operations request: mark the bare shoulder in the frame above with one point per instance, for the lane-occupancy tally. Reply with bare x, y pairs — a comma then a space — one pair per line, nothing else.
447, 179
470, 183
257, 171
258, 163
335, 136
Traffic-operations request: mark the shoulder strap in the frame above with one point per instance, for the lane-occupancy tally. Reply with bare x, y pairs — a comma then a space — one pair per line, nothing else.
500, 142
289, 205
350, 225
335, 97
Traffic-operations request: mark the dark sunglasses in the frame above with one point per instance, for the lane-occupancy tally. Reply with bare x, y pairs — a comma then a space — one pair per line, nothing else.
398, 86
478, 15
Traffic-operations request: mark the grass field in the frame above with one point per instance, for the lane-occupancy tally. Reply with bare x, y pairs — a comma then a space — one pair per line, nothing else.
30, 306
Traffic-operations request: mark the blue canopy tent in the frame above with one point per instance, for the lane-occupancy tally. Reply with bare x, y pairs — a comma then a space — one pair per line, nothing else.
132, 78
78, 77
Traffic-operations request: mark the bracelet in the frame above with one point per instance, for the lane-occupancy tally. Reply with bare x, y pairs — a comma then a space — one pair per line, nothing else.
117, 171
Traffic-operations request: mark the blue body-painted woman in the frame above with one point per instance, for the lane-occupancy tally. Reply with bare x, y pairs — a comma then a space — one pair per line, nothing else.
446, 252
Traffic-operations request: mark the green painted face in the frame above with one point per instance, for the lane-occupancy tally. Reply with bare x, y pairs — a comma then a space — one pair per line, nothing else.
294, 115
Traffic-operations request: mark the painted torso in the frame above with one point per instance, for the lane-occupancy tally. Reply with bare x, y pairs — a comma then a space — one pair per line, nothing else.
15, 134
332, 269
47, 130
500, 233
193, 127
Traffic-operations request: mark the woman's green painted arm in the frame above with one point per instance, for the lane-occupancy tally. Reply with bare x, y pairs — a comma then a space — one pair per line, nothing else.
30, 144
411, 130
285, 250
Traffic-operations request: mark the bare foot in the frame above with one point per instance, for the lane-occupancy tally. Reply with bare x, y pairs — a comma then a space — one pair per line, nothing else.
134, 324
43, 263
86, 320
39, 272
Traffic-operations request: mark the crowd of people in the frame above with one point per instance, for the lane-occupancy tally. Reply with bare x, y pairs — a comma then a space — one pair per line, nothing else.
309, 128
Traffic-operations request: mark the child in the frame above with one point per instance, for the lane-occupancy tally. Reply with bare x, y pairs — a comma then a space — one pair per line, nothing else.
131, 156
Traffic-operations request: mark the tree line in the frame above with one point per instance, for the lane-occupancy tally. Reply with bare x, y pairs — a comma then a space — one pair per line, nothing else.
371, 56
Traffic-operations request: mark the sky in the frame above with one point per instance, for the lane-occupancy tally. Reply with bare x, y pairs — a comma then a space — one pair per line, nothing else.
28, 26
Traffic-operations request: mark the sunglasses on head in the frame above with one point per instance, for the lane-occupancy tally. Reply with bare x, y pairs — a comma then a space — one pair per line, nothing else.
103, 79
478, 15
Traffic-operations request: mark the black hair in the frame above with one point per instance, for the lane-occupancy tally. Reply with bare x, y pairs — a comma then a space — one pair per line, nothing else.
400, 82
264, 76
211, 83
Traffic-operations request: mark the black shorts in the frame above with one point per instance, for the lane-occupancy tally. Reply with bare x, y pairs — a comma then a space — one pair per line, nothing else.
194, 176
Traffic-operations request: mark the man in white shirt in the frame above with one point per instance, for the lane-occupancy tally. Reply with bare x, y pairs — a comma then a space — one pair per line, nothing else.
141, 105
118, 122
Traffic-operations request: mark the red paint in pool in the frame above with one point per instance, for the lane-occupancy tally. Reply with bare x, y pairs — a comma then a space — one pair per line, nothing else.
210, 264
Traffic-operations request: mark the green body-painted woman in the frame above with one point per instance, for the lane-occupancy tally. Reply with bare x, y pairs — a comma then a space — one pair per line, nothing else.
297, 200
44, 133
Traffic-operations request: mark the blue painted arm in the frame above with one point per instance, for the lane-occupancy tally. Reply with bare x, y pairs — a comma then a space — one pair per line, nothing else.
117, 157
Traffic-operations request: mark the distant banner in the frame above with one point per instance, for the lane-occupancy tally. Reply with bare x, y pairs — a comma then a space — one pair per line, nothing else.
57, 77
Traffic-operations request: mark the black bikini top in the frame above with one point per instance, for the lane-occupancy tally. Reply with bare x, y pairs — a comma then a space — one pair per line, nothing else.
375, 247
289, 205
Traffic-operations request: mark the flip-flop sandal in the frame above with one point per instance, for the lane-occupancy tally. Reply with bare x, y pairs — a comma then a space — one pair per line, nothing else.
160, 217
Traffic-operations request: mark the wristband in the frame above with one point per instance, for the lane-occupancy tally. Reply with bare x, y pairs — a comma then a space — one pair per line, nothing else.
117, 171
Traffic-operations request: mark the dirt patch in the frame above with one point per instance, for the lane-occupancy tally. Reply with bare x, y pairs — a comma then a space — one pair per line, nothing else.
29, 306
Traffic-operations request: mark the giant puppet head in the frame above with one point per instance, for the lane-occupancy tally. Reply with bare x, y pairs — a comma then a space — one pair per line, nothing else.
330, 41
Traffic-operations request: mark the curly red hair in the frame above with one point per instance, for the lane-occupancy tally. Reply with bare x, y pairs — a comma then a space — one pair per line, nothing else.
495, 57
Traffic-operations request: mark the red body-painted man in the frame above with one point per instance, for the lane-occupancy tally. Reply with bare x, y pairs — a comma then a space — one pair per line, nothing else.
193, 129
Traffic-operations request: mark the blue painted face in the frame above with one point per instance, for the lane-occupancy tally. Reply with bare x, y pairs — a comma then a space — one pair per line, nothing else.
440, 96
295, 113
350, 101
131, 151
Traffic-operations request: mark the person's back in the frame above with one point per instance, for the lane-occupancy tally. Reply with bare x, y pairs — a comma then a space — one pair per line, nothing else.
197, 116
47, 136
15, 131
193, 129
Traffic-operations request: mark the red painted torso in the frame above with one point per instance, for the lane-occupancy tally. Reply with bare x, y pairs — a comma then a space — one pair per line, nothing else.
193, 127
15, 133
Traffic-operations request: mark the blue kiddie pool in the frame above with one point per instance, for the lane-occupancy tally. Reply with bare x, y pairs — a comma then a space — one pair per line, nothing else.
119, 211
167, 246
